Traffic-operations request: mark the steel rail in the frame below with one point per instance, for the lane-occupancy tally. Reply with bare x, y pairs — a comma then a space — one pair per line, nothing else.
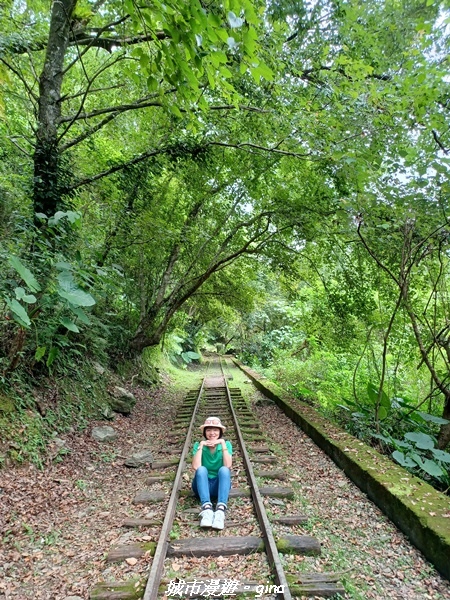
154, 578
270, 545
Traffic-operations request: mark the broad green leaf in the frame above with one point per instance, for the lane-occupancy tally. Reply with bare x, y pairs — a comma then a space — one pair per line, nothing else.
441, 455
432, 418
265, 72
403, 460
70, 291
72, 216
19, 313
68, 324
22, 295
79, 312
175, 110
432, 468
53, 353
63, 265
193, 355
384, 400
24, 273
218, 58
40, 352
372, 392
382, 412
421, 440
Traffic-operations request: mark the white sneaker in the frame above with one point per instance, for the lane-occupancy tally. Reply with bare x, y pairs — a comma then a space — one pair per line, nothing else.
219, 520
207, 516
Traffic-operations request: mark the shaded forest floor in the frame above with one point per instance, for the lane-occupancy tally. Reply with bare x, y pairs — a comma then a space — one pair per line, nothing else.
58, 524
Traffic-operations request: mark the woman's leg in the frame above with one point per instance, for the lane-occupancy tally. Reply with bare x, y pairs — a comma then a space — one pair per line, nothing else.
200, 486
223, 491
224, 477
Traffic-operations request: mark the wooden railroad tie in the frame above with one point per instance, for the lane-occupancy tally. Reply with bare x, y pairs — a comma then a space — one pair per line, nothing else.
264, 459
151, 497
278, 474
219, 546
300, 584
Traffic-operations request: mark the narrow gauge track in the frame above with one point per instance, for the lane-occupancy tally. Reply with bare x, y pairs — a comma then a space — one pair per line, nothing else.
216, 398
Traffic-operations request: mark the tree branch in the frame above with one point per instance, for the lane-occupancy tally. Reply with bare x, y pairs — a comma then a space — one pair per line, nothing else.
438, 142
141, 103
116, 168
257, 147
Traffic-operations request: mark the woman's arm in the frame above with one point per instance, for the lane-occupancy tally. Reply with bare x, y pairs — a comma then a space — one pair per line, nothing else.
227, 460
197, 460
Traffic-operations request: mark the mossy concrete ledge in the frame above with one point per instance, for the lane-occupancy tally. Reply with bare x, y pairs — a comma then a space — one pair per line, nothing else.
420, 511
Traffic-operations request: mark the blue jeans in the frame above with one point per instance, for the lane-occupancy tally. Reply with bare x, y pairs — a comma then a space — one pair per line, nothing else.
217, 488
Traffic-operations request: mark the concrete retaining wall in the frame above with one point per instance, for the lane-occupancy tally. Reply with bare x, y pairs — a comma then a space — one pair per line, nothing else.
420, 511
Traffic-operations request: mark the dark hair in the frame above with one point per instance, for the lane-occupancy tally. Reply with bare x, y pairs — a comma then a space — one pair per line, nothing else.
212, 427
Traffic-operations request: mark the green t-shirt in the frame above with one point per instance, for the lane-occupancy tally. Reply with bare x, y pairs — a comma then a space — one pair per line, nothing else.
212, 460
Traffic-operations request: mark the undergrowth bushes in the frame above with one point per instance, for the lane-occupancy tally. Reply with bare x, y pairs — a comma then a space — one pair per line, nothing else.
35, 415
397, 423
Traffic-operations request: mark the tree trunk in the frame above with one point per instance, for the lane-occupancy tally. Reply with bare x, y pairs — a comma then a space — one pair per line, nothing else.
46, 193
444, 433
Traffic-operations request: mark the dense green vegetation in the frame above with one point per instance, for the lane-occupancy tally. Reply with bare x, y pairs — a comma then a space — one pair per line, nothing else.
267, 177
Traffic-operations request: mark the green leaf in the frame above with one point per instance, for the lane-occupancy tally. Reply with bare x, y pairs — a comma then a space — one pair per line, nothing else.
441, 455
432, 418
24, 273
432, 468
22, 295
152, 83
63, 265
70, 291
384, 400
40, 351
403, 460
185, 356
382, 413
79, 312
53, 353
193, 355
264, 71
175, 110
68, 324
421, 440
19, 313
218, 58
372, 392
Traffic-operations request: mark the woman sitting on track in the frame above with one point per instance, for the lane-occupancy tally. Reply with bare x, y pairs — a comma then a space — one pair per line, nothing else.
212, 480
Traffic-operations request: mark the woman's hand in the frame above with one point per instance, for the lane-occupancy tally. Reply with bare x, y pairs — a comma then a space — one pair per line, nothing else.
213, 443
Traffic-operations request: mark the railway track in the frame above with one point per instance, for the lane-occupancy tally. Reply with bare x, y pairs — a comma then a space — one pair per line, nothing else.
190, 562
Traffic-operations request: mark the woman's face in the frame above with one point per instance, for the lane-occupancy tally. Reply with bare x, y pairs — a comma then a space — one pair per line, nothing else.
212, 433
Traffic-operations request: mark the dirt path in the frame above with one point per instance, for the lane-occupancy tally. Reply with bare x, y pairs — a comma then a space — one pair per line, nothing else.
57, 524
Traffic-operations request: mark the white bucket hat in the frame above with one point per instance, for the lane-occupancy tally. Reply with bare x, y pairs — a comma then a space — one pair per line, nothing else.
212, 422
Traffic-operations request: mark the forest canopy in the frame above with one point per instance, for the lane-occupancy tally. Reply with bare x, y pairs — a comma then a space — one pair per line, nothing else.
269, 177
